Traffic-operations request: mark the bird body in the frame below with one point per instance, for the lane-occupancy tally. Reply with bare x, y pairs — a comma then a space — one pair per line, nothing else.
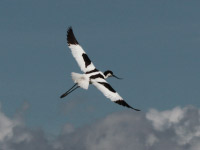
90, 75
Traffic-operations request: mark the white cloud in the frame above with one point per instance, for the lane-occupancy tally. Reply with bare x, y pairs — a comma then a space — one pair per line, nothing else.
6, 126
177, 129
151, 139
164, 119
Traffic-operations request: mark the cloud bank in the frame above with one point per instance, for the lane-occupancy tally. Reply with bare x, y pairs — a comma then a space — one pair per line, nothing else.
177, 129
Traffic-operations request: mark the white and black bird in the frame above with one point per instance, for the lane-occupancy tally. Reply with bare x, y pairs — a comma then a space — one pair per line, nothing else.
91, 74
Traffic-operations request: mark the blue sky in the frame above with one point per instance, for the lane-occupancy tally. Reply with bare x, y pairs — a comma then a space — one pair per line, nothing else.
153, 45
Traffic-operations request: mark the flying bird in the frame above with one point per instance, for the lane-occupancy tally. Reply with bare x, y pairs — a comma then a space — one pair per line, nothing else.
91, 75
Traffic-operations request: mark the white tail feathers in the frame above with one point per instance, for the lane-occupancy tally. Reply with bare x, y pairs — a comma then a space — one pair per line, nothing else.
81, 79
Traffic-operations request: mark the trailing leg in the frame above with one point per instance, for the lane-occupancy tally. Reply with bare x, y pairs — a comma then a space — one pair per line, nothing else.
74, 87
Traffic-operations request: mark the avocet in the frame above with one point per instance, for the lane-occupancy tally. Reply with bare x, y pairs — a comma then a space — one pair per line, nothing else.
91, 75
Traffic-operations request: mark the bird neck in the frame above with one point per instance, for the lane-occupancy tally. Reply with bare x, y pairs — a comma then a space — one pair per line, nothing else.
107, 76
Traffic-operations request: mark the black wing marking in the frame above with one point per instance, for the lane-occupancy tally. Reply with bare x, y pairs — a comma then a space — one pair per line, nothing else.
96, 76
86, 60
78, 53
108, 86
123, 103
70, 37
95, 70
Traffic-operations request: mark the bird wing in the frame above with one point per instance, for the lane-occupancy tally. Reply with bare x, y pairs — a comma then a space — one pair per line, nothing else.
79, 54
110, 93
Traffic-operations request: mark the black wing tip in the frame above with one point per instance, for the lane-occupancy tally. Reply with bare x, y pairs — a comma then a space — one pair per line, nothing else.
70, 28
123, 103
70, 37
135, 109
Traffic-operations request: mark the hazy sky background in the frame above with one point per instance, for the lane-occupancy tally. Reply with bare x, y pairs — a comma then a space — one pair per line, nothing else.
153, 45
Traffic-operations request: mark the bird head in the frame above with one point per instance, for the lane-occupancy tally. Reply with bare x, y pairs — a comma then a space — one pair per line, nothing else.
109, 73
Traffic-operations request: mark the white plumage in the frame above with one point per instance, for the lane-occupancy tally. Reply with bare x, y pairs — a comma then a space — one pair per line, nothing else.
81, 79
77, 52
91, 74
112, 96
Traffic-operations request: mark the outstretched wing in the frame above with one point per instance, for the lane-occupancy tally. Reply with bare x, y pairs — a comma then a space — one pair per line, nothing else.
110, 93
79, 54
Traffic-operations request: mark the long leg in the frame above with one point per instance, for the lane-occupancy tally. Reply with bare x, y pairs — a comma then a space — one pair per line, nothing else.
70, 90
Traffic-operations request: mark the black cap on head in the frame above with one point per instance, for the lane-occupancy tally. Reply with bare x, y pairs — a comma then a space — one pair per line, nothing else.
107, 72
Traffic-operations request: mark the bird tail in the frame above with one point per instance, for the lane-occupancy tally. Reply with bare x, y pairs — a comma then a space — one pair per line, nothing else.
81, 79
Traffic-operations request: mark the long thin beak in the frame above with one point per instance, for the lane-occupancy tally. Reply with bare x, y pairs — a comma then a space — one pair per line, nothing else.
117, 77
